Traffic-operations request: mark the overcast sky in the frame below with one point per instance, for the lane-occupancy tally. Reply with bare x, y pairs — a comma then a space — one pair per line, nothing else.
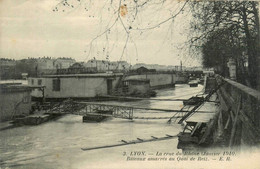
30, 28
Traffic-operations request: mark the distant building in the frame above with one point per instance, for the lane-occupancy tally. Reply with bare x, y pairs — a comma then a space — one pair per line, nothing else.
63, 63
7, 68
154, 67
104, 65
45, 63
142, 69
159, 67
77, 68
194, 68
6, 62
99, 65
15, 100
122, 65
48, 65
39, 65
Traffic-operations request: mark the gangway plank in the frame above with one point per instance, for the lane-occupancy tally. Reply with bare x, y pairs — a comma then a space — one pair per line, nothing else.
132, 107
124, 112
137, 141
110, 115
154, 118
141, 98
199, 104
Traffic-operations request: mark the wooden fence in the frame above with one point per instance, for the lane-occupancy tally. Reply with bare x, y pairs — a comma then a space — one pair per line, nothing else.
239, 116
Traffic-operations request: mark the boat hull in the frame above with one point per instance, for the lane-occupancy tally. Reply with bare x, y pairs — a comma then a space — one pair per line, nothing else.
193, 101
193, 84
94, 118
98, 116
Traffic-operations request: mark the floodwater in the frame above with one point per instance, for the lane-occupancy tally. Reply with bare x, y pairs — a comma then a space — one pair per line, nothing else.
57, 144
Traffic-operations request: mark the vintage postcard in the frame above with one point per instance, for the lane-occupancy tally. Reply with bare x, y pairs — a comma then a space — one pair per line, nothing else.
112, 84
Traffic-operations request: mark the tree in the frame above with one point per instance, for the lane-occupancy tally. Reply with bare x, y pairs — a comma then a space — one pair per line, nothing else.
236, 22
218, 49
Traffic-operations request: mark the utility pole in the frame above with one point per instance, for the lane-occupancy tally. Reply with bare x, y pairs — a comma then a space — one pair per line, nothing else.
258, 48
181, 66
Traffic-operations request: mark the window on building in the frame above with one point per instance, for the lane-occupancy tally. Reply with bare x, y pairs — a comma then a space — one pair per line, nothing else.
126, 83
56, 85
32, 81
39, 82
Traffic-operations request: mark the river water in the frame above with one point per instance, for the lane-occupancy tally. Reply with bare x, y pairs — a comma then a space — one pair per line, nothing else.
57, 144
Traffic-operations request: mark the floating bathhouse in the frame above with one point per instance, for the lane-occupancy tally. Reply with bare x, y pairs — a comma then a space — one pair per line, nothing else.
74, 85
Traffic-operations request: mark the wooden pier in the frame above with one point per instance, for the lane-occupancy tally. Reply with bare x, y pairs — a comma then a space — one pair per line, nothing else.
234, 120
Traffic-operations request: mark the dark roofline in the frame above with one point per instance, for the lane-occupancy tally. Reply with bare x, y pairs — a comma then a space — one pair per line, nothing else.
14, 88
143, 80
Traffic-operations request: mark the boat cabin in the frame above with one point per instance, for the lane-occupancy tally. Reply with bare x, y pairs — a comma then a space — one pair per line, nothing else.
74, 85
136, 86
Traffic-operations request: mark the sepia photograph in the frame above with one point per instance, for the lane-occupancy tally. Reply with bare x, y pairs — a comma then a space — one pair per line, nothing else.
129, 84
